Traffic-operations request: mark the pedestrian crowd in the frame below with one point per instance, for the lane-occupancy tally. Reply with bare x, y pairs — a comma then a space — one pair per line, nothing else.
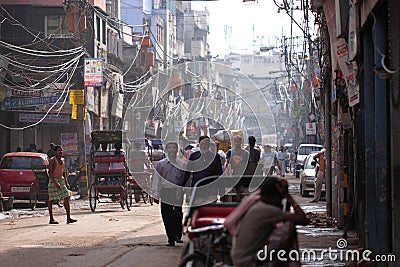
250, 224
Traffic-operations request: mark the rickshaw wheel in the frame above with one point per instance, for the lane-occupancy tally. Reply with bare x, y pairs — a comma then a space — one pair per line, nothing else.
92, 197
33, 198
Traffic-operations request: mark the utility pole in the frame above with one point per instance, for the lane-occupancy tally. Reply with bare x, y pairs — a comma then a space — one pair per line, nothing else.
77, 25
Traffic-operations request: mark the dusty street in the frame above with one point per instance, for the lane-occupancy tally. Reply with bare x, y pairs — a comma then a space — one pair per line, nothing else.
101, 238
110, 236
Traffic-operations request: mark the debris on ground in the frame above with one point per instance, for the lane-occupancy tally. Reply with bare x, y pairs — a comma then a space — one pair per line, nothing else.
321, 219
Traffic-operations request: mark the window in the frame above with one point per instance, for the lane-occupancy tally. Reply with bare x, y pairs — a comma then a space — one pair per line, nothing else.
104, 33
305, 150
160, 34
56, 26
21, 163
98, 29
159, 4
308, 164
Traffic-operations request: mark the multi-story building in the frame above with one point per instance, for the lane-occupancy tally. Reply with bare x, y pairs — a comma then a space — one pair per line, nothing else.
359, 86
43, 46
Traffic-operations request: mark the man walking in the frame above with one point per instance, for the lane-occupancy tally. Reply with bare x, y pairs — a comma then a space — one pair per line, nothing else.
58, 185
203, 163
237, 158
320, 172
254, 157
167, 185
269, 160
282, 156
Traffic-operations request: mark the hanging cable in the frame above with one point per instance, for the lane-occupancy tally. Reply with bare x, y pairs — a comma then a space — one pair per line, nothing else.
63, 94
383, 56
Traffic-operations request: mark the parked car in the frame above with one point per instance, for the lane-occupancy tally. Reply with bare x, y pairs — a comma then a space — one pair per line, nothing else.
302, 152
307, 176
16, 173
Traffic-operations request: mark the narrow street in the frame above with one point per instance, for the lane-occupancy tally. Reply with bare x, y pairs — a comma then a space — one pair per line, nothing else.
101, 238
114, 237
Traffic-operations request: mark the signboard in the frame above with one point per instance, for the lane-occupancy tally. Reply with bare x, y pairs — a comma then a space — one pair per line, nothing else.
50, 118
16, 92
353, 89
76, 97
151, 128
178, 126
93, 72
69, 142
349, 70
90, 98
30, 102
3, 92
311, 128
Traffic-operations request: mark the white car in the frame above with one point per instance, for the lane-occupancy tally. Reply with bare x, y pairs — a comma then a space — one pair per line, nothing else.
307, 177
302, 152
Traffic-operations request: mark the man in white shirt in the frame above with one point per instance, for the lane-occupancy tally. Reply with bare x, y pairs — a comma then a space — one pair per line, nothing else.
168, 180
269, 159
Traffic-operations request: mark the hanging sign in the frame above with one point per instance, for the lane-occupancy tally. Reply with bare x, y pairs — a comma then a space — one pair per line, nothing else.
74, 114
77, 97
311, 128
69, 142
93, 72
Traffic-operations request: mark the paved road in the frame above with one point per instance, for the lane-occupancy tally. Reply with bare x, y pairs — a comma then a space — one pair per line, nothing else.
108, 237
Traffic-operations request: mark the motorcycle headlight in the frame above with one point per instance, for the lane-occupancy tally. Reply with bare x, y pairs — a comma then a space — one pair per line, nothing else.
310, 178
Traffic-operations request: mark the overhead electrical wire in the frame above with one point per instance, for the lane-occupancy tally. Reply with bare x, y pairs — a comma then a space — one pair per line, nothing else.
63, 94
42, 53
15, 22
35, 83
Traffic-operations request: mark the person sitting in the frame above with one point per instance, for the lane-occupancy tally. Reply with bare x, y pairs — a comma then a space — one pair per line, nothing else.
99, 154
120, 163
251, 225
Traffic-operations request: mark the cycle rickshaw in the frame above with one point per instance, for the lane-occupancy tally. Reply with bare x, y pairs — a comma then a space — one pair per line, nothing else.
141, 170
109, 170
212, 200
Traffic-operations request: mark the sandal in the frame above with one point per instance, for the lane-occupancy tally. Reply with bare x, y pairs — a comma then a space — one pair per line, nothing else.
71, 221
53, 222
